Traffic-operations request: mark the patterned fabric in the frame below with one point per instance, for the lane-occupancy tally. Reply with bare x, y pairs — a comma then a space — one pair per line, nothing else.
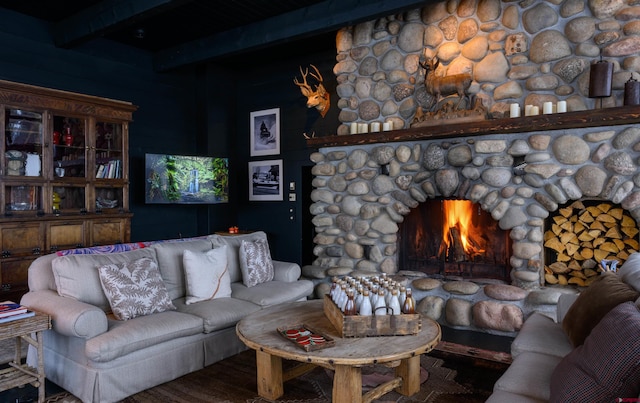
134, 288
206, 275
255, 262
607, 366
120, 247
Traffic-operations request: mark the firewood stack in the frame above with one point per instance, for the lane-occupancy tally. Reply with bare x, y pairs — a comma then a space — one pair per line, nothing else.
581, 237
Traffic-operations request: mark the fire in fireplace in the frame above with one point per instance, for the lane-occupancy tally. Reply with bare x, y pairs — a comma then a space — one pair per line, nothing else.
443, 237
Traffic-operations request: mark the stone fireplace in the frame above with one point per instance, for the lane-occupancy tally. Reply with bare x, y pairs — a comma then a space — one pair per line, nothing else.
519, 171
363, 194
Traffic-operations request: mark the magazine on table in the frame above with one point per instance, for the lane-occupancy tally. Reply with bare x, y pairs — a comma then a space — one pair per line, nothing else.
10, 311
27, 314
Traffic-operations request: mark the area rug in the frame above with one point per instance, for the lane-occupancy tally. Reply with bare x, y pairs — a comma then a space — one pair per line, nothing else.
233, 380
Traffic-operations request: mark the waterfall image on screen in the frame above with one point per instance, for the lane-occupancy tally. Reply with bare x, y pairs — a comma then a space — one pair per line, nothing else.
185, 179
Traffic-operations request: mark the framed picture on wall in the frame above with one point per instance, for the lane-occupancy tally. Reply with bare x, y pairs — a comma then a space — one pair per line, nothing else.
265, 132
265, 180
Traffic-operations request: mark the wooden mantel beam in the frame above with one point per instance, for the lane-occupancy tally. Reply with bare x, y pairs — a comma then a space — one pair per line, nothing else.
570, 120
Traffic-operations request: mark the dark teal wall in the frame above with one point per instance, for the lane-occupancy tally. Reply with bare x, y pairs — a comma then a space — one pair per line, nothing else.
168, 118
203, 111
267, 83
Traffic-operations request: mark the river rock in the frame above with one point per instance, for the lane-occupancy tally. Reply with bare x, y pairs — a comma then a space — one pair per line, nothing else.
461, 287
497, 316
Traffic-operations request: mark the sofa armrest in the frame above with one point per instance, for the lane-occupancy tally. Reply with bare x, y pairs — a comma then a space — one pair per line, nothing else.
286, 271
69, 317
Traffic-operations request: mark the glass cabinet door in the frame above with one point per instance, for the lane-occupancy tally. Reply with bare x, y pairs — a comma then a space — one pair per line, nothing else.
69, 148
23, 143
108, 148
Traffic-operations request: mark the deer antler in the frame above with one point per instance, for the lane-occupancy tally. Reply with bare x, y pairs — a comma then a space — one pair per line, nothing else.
318, 98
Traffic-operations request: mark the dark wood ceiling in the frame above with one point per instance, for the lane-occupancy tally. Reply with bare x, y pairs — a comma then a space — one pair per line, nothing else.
184, 32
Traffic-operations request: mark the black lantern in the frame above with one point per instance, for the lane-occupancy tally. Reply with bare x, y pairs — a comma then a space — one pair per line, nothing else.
600, 78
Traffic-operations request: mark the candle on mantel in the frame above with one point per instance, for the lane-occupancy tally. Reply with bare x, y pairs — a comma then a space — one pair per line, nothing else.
353, 128
561, 106
363, 128
527, 110
547, 108
387, 126
535, 110
514, 110
375, 127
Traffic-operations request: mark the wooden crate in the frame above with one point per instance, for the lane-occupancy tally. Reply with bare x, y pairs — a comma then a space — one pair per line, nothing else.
371, 326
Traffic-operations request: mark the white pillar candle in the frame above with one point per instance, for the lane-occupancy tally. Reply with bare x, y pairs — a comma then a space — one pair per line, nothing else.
562, 106
535, 110
353, 128
387, 126
363, 128
547, 108
514, 110
527, 110
375, 126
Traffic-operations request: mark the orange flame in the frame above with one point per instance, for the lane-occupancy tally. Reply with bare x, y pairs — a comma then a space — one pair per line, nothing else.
458, 214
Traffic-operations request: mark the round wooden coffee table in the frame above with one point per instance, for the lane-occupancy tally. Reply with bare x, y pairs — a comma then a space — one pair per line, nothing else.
259, 332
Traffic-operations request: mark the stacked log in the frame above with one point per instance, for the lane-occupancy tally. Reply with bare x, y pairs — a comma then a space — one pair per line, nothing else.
581, 237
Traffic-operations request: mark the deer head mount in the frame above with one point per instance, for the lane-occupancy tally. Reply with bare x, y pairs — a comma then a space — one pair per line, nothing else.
318, 98
443, 86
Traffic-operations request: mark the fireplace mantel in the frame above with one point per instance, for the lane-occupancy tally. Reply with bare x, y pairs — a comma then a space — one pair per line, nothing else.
570, 120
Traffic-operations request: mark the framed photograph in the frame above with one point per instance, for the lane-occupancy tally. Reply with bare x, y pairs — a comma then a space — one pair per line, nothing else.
265, 132
265, 180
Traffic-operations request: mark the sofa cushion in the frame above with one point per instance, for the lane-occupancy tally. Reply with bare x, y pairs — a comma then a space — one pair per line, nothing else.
171, 264
540, 334
134, 288
219, 313
530, 375
607, 365
630, 271
272, 292
255, 262
77, 275
233, 253
593, 303
129, 336
206, 275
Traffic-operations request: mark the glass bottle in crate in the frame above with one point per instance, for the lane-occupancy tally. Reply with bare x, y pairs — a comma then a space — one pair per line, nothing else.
409, 306
394, 303
365, 306
380, 308
350, 305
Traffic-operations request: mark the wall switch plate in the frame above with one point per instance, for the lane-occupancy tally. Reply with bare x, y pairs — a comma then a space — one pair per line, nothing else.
292, 186
292, 197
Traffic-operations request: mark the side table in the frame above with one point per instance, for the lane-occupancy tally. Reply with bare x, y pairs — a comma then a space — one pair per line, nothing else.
19, 374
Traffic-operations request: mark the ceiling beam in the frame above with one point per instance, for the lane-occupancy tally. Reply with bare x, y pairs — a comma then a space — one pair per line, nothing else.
105, 16
330, 15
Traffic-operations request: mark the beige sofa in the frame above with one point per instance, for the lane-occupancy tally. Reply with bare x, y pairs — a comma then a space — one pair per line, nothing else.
589, 352
98, 358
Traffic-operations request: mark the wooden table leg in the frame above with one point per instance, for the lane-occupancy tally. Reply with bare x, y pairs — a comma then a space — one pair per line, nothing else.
409, 371
41, 374
269, 375
347, 384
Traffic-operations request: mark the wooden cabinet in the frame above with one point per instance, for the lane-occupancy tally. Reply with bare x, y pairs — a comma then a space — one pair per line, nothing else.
64, 172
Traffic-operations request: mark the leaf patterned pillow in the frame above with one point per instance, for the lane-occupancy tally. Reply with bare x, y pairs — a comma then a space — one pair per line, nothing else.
134, 288
255, 262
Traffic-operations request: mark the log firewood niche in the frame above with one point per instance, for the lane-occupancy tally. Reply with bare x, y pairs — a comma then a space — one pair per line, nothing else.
582, 236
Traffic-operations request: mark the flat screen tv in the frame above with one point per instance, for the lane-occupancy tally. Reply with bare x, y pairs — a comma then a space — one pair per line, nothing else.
186, 179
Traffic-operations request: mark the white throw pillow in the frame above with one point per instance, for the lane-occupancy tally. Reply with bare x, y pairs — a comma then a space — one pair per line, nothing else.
206, 275
134, 288
255, 262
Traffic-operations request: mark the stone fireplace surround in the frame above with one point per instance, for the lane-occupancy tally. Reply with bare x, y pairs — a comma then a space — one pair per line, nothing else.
363, 188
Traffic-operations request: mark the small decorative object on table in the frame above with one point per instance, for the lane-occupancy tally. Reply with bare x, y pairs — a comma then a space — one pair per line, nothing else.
305, 337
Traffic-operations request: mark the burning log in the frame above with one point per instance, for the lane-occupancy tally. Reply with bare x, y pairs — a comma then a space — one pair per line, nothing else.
580, 237
456, 251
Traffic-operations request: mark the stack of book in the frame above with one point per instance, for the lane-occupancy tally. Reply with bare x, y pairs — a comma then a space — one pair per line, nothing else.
10, 311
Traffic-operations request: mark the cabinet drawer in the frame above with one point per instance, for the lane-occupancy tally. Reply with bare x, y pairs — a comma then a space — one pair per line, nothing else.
21, 239
65, 235
13, 276
108, 232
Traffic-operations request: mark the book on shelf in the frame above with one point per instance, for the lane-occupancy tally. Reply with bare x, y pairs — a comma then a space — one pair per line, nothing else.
10, 308
19, 316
